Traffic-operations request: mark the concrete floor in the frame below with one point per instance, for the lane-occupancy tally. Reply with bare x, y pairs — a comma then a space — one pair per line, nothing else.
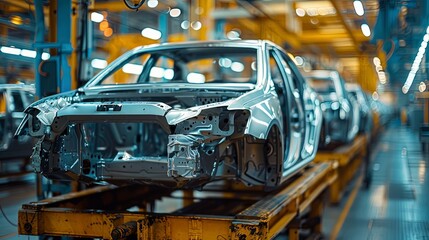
395, 206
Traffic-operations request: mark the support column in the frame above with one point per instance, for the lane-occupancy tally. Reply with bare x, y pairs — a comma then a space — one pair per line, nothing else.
63, 38
39, 38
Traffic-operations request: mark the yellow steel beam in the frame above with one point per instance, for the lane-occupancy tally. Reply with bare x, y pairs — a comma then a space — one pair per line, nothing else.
346, 26
73, 61
315, 37
269, 213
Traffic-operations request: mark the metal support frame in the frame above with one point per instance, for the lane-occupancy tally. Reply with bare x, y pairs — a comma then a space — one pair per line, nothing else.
346, 161
237, 213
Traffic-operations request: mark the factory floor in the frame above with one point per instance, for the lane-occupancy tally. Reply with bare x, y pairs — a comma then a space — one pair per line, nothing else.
394, 206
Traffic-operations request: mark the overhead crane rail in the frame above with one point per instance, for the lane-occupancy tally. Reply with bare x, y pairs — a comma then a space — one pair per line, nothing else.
243, 213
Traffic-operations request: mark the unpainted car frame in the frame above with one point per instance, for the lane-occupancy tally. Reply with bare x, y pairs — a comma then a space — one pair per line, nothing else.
243, 112
14, 98
341, 114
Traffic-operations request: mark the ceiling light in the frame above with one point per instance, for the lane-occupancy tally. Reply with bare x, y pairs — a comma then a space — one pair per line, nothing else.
416, 64
422, 87
98, 63
300, 12
233, 35
376, 61
375, 96
358, 8
195, 78
28, 53
132, 68
10, 50
168, 74
156, 72
225, 62
185, 24
97, 17
299, 60
175, 12
196, 25
151, 33
45, 56
365, 30
152, 3
237, 67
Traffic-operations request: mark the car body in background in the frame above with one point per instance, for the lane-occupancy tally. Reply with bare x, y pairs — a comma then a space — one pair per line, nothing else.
340, 110
366, 116
14, 98
181, 115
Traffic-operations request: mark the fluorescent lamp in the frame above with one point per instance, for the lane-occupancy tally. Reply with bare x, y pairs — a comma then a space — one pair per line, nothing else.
196, 78
28, 53
99, 63
45, 56
225, 62
196, 25
152, 3
132, 68
237, 67
175, 12
185, 24
157, 72
10, 50
359, 8
300, 12
151, 33
365, 30
97, 17
168, 74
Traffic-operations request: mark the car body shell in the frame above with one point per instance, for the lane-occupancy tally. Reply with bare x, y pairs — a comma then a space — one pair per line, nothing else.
179, 134
366, 118
341, 114
14, 98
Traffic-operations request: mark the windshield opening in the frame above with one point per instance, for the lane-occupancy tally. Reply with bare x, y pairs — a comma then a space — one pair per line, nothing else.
193, 65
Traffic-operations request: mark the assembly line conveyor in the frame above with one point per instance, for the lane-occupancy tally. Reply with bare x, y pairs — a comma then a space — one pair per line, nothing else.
218, 212
236, 214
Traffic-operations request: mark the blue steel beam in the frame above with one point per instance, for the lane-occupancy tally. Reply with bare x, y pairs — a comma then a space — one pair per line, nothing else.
38, 38
64, 13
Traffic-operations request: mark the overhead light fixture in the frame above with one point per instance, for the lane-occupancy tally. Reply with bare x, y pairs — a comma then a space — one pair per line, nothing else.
195, 78
237, 67
152, 3
175, 12
422, 87
185, 25
151, 33
10, 50
132, 68
233, 35
365, 30
358, 8
28, 53
98, 63
416, 64
97, 17
45, 56
196, 25
300, 12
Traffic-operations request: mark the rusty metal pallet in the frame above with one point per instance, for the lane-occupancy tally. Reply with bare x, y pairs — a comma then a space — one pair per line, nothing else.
346, 161
239, 214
